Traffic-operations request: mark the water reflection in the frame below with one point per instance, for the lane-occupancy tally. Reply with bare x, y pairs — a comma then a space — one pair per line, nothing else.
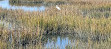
69, 42
6, 5
61, 43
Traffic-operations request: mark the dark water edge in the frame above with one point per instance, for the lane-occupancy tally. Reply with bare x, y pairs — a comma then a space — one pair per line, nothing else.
45, 3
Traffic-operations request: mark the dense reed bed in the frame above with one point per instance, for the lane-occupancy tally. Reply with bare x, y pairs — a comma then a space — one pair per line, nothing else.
83, 21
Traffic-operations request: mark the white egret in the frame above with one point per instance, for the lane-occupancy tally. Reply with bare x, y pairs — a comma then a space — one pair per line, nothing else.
58, 7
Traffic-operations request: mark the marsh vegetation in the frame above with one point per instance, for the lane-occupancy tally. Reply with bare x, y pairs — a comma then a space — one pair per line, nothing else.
78, 25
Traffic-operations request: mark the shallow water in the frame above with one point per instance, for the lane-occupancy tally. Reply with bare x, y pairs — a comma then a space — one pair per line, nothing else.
5, 4
71, 42
60, 43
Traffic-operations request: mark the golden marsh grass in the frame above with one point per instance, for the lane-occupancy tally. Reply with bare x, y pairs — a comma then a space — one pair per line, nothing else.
86, 20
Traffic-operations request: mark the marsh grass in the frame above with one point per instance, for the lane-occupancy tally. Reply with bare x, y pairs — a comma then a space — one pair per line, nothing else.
89, 45
30, 27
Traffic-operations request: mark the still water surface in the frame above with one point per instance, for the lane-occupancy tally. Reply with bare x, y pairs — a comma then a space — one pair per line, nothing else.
5, 4
61, 43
